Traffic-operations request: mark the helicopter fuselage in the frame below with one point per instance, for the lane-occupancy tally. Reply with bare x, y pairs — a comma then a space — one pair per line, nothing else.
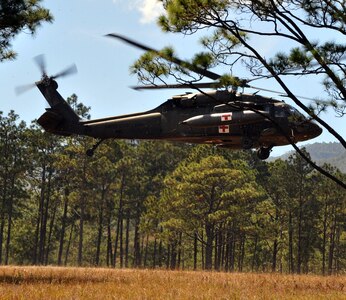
198, 118
221, 118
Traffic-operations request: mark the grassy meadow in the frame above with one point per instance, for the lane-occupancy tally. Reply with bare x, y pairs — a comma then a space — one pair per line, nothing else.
95, 283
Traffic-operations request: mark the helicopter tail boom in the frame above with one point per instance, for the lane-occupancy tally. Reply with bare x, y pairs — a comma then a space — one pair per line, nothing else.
60, 118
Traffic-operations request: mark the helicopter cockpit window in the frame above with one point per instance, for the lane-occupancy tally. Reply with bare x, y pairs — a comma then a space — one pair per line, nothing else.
280, 112
294, 113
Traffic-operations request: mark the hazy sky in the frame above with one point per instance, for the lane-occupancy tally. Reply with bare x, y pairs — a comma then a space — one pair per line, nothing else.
103, 79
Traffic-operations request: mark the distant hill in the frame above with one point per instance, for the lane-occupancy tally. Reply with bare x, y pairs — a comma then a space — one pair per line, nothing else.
332, 153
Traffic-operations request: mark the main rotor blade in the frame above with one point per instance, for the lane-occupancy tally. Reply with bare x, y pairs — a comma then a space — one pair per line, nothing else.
197, 85
68, 71
23, 88
279, 93
172, 59
41, 63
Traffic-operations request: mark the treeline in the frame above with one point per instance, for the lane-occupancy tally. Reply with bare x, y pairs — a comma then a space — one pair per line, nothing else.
163, 205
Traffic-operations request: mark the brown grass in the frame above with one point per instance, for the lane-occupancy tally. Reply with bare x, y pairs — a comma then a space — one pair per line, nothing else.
92, 283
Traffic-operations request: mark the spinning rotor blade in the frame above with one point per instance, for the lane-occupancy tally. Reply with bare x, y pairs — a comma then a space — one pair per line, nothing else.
278, 93
41, 63
187, 65
172, 59
68, 71
23, 88
206, 85
197, 85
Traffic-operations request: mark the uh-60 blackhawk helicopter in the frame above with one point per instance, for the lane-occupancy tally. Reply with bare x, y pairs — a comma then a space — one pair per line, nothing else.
222, 118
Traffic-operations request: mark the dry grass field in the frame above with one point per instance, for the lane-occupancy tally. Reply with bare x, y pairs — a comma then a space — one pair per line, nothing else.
92, 283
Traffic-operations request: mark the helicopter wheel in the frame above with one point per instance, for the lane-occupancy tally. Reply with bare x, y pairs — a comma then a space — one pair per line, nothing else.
263, 153
90, 152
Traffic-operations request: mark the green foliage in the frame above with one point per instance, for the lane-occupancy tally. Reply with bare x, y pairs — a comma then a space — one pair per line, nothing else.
189, 15
233, 28
17, 16
156, 204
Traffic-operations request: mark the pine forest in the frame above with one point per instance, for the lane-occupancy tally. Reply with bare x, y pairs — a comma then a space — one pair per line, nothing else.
145, 204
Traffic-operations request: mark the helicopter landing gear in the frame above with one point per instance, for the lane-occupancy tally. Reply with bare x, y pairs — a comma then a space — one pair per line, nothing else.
90, 152
264, 152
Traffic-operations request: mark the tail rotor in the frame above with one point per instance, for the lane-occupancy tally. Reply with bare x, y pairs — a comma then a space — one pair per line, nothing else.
40, 61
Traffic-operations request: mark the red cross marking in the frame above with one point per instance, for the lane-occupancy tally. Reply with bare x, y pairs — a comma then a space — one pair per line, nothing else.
223, 129
226, 117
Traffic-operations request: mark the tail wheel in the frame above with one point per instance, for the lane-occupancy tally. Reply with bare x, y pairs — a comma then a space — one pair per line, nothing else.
264, 152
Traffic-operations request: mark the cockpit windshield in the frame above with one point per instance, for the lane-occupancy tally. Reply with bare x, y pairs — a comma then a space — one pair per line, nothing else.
289, 112
293, 112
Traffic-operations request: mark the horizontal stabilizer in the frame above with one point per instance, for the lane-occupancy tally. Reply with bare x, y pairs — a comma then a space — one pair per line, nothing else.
52, 122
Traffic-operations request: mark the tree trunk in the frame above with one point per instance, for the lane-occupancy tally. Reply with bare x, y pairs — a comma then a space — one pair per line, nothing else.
81, 231
290, 244
9, 221
223, 251
4, 197
50, 232
63, 227
154, 253
44, 218
69, 244
168, 256
137, 246
332, 243
146, 251
2, 226
116, 243
100, 226
82, 212
160, 254
209, 230
254, 254
275, 252
337, 256
227, 251
215, 250
241, 252
120, 221
179, 250
109, 243
39, 215
203, 251
324, 239
173, 260
219, 250
121, 244
299, 253
195, 251
127, 241
275, 243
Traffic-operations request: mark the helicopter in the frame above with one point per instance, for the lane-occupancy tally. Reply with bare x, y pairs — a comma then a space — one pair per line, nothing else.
223, 118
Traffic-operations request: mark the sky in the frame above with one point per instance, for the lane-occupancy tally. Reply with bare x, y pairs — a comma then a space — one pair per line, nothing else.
103, 82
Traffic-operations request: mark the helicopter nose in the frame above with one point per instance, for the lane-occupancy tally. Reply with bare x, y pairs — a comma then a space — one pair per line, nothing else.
309, 130
314, 130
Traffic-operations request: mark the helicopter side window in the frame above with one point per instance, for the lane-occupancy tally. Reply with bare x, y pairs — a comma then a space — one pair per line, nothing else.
280, 113
294, 113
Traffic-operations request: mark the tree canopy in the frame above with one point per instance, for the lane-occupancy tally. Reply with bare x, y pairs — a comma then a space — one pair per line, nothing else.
156, 204
17, 16
234, 27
